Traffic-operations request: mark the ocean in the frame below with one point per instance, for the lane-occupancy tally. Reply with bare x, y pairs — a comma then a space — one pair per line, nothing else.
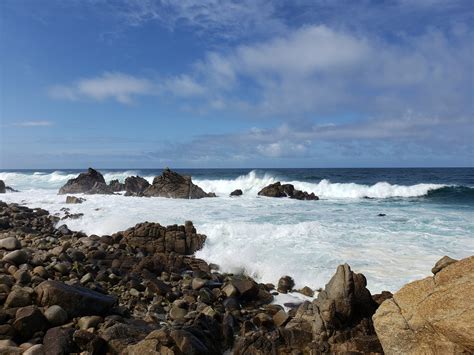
426, 213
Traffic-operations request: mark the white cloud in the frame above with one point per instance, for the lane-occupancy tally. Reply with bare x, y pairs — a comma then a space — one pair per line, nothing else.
34, 124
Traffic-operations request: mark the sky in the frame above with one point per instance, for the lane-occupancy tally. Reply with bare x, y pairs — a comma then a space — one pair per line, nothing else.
222, 84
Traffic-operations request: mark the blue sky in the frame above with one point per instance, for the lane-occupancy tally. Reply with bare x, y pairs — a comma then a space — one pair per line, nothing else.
218, 83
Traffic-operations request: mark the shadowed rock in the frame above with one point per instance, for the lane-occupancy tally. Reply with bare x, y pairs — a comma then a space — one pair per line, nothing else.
75, 300
135, 185
286, 190
173, 185
2, 187
91, 182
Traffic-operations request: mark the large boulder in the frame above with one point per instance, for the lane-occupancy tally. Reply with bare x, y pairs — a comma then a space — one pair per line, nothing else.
286, 190
2, 187
135, 185
155, 238
90, 182
116, 185
75, 300
173, 185
434, 315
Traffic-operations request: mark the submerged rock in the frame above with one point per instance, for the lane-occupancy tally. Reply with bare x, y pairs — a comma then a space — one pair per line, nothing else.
74, 200
90, 182
173, 185
237, 192
286, 190
431, 316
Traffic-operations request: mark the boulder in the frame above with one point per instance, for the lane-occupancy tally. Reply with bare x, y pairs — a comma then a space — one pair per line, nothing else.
285, 284
155, 238
173, 185
90, 182
29, 320
10, 243
286, 190
431, 316
135, 185
2, 187
59, 341
16, 257
442, 263
237, 192
74, 200
75, 300
56, 315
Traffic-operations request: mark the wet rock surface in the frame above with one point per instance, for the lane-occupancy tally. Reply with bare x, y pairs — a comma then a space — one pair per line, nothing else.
286, 190
141, 291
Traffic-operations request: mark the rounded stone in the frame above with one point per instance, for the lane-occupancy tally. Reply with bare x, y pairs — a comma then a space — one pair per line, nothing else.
56, 315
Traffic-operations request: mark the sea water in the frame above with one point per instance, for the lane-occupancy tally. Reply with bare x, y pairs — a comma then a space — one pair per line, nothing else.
426, 213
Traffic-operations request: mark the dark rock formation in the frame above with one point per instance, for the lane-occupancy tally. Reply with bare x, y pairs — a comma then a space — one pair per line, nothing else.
155, 238
237, 192
91, 182
75, 300
173, 185
135, 185
116, 186
286, 190
2, 187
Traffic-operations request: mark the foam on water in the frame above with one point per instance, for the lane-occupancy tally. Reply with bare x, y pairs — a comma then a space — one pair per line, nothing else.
269, 238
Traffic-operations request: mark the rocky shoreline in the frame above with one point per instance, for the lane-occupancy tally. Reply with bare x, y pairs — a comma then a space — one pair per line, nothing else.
141, 291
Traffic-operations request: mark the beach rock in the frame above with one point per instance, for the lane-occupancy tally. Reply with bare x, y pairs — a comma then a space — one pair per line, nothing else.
37, 349
74, 200
56, 315
16, 257
237, 192
89, 322
90, 182
155, 238
286, 190
18, 298
116, 186
10, 243
135, 185
28, 321
173, 185
285, 284
89, 342
75, 300
2, 187
430, 316
442, 263
59, 341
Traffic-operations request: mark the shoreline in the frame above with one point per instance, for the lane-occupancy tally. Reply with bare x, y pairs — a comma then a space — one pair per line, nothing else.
156, 281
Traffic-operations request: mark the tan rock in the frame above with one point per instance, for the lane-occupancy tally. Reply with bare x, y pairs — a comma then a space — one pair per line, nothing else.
430, 316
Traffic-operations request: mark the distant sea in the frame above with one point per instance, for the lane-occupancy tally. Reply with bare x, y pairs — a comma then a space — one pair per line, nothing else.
390, 224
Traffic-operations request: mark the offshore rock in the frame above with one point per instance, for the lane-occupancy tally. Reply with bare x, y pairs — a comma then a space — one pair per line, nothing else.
237, 192
2, 187
90, 182
431, 316
135, 185
173, 185
286, 190
116, 186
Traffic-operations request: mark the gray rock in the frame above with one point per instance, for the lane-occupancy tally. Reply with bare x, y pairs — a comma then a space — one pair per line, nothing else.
135, 185
74, 200
2, 187
10, 243
17, 257
285, 284
237, 192
18, 298
75, 300
56, 315
286, 190
89, 322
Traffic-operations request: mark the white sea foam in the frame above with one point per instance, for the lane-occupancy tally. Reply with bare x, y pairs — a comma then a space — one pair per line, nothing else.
269, 238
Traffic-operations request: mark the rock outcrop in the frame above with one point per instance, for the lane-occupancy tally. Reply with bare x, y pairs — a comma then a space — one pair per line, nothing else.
173, 185
154, 238
90, 182
116, 186
431, 316
237, 192
2, 187
135, 185
286, 190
